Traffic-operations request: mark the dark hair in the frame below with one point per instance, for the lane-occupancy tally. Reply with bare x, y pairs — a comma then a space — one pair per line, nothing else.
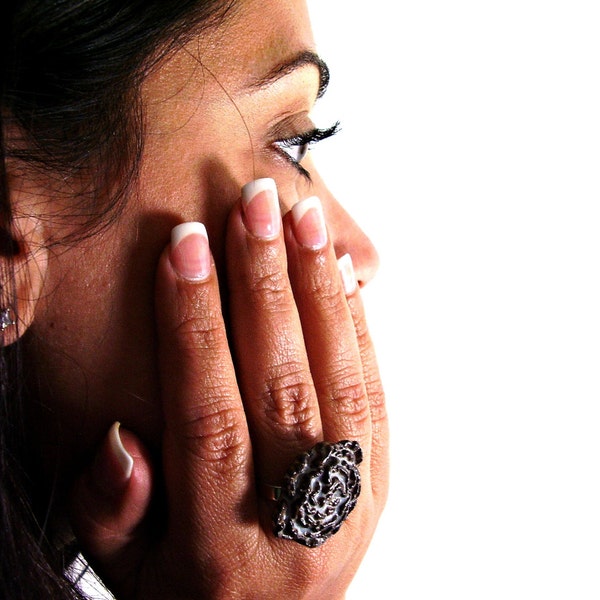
70, 73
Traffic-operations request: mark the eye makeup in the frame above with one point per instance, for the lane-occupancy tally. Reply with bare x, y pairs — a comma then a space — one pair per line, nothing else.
295, 148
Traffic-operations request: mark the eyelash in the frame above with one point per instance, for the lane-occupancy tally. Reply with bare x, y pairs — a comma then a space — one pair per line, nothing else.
303, 142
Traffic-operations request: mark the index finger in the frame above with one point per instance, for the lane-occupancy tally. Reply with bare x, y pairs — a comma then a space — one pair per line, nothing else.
206, 447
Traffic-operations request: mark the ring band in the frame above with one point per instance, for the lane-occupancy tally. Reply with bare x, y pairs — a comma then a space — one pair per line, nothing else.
319, 491
272, 492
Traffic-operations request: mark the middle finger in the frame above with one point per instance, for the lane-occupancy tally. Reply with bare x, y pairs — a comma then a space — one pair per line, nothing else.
273, 368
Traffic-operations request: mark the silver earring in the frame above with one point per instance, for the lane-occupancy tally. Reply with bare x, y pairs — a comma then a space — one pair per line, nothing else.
6, 319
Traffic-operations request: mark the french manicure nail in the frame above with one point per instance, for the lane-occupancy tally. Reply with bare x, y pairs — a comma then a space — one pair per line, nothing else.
261, 208
124, 459
190, 252
346, 269
309, 223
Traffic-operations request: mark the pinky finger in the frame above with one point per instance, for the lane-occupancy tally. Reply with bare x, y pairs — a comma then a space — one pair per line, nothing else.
373, 384
109, 502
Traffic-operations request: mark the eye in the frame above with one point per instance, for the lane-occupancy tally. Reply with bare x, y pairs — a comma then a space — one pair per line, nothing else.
296, 151
296, 147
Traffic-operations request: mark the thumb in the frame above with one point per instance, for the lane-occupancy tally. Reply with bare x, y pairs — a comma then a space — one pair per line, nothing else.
109, 503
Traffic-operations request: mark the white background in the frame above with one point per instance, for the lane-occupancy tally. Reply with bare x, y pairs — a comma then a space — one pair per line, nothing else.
470, 152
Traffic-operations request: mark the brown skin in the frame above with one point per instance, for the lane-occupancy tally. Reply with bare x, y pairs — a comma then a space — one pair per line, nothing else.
105, 304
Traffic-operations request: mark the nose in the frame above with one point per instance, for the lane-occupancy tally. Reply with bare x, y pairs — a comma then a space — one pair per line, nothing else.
349, 238
345, 233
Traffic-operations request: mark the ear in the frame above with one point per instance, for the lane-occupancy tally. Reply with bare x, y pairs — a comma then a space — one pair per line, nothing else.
23, 266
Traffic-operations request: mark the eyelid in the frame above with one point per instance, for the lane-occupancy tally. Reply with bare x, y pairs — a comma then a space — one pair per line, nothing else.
308, 138
312, 136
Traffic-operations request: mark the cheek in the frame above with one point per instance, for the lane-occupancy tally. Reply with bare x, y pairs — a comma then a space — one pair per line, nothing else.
96, 324
186, 187
94, 328
292, 186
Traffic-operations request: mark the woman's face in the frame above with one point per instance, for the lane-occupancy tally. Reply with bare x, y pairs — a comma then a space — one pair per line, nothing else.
214, 111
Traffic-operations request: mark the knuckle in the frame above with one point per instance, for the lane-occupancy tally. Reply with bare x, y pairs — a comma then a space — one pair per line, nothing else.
271, 288
200, 331
215, 437
379, 414
376, 395
363, 335
288, 401
331, 300
350, 402
347, 388
328, 293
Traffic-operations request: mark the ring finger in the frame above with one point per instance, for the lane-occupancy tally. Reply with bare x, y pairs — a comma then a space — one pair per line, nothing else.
331, 341
273, 368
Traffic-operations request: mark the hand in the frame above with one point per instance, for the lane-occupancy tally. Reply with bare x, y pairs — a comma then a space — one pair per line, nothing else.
300, 369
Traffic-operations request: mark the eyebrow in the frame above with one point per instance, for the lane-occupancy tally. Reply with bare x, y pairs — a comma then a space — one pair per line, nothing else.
307, 57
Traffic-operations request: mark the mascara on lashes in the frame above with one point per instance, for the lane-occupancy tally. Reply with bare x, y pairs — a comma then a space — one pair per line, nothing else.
303, 142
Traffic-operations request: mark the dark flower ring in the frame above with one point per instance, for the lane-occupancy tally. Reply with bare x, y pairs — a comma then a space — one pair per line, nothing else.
319, 491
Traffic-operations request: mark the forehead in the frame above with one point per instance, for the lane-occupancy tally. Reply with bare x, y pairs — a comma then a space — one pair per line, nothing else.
263, 33
255, 37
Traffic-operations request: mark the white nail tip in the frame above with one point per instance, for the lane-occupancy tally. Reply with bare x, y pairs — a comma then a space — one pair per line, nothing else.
182, 231
346, 269
256, 187
301, 208
124, 458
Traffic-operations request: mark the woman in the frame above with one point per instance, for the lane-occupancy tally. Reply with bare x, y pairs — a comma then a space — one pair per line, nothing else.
157, 387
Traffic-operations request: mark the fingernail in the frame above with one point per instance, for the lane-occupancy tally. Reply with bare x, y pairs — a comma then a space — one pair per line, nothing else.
309, 223
123, 459
347, 273
190, 252
112, 466
261, 208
